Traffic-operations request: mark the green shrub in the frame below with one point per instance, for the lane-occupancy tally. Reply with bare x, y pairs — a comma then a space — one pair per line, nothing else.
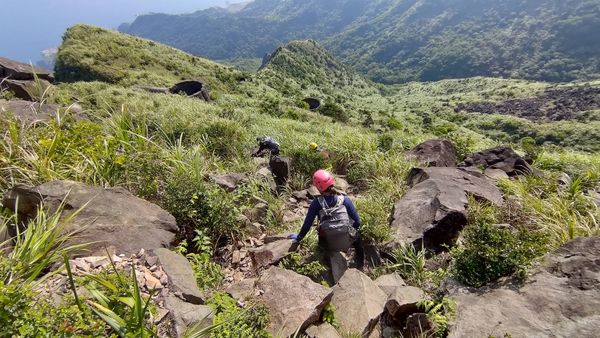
24, 313
237, 322
300, 264
394, 124
305, 161
208, 273
489, 253
225, 138
198, 205
335, 111
385, 142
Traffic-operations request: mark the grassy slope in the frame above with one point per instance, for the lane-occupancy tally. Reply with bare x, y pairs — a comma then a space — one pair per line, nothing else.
91, 53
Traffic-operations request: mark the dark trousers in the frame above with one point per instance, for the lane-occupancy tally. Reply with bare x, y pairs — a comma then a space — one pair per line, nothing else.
359, 250
280, 168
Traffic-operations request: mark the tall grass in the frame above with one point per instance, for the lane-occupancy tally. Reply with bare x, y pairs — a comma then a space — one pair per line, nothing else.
43, 242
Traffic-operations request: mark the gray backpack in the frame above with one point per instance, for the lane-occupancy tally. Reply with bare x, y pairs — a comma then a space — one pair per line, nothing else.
335, 225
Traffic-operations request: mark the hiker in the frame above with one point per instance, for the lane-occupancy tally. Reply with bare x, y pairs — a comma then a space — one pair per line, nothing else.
280, 168
324, 154
339, 223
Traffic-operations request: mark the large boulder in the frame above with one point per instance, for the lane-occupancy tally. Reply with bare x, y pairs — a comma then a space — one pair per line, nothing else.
403, 301
435, 153
25, 89
433, 211
359, 303
193, 88
272, 252
21, 71
106, 217
503, 158
294, 301
181, 276
560, 298
29, 112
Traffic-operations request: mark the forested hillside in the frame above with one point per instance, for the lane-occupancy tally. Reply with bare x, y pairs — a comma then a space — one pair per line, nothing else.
395, 41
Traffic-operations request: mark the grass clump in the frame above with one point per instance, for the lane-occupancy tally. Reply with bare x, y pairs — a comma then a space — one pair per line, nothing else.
236, 322
489, 252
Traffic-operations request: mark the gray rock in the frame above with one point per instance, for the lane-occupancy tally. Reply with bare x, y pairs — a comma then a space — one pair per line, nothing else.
181, 275
389, 283
502, 158
29, 112
435, 153
560, 298
358, 303
341, 184
338, 264
271, 253
185, 315
324, 330
403, 302
294, 301
258, 214
229, 182
22, 71
495, 174
109, 217
243, 289
595, 194
433, 211
25, 89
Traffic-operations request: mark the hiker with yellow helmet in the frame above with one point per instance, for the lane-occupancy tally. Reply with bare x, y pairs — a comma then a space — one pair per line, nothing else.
324, 154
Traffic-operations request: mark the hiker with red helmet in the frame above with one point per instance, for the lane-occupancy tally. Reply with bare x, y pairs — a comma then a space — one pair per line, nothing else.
339, 222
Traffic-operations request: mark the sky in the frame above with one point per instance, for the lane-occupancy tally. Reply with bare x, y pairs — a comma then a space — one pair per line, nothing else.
29, 26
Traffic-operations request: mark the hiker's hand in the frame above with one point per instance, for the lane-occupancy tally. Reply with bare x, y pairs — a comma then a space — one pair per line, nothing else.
293, 236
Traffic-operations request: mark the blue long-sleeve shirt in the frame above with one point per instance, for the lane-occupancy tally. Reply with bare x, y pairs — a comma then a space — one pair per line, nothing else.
315, 207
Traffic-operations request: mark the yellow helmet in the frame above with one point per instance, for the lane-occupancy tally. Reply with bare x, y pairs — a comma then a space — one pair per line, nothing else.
313, 146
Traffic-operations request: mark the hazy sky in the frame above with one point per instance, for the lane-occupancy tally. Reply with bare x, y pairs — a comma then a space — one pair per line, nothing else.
29, 26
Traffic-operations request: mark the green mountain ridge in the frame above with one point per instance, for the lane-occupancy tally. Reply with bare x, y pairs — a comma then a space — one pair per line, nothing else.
175, 151
395, 41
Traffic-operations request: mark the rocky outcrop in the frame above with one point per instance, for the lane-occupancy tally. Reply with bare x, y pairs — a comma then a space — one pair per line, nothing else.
108, 217
193, 88
358, 301
294, 301
502, 158
181, 276
21, 71
560, 298
26, 90
29, 112
272, 252
433, 211
435, 153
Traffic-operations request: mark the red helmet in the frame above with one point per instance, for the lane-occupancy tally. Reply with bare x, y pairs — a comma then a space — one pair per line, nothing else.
323, 179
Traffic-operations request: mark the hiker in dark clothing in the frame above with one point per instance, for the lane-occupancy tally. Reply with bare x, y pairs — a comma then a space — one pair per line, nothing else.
339, 223
280, 167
